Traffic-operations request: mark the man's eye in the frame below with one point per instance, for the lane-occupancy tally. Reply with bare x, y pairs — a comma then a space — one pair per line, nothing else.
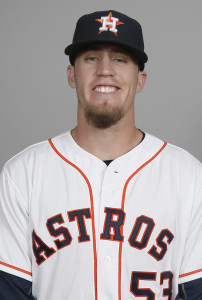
91, 58
120, 60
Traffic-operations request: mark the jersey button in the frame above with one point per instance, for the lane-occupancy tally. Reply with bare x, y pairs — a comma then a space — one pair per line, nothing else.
102, 172
108, 259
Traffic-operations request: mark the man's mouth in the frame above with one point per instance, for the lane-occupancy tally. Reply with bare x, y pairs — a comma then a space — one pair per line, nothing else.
105, 89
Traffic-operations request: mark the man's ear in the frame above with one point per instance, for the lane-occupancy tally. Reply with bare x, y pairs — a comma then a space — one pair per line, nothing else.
70, 76
142, 76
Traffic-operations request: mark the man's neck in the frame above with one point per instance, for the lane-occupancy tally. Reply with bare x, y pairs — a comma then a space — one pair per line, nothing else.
107, 144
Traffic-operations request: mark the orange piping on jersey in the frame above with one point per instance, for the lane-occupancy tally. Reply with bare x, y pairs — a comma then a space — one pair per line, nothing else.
15, 268
122, 207
190, 273
92, 211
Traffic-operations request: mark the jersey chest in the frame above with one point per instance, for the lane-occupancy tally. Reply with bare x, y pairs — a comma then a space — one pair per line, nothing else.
71, 205
118, 222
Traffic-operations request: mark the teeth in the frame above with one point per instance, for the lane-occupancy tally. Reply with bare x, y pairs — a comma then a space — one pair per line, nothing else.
105, 89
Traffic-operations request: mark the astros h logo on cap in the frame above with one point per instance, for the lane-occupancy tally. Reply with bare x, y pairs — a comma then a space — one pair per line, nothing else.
116, 28
109, 23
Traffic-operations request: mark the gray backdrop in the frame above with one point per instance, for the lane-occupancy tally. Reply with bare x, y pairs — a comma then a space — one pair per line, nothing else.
36, 102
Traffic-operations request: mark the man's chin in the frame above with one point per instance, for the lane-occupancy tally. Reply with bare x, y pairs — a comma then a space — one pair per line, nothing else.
103, 120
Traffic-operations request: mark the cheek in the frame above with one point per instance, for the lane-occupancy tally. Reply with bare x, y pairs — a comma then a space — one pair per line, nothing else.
131, 87
81, 77
82, 87
79, 80
131, 78
133, 83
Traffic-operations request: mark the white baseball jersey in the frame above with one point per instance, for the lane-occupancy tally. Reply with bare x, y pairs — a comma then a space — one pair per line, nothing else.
81, 230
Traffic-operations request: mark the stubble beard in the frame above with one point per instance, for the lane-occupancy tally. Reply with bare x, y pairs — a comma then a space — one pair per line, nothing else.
102, 117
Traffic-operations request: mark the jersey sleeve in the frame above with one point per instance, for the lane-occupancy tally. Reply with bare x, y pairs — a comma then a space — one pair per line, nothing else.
13, 287
15, 253
191, 290
191, 267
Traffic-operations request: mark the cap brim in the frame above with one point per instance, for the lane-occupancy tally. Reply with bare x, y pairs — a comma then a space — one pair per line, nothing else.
74, 48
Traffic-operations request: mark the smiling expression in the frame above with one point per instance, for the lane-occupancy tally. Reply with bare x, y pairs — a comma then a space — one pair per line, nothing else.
106, 79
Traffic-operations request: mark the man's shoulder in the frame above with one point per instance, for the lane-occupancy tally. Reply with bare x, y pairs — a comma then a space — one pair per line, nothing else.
34, 153
175, 155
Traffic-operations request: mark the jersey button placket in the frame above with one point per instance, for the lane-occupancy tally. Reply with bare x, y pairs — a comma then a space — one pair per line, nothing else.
108, 249
108, 259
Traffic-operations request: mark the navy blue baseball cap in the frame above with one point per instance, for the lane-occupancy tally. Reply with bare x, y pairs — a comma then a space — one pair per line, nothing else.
112, 27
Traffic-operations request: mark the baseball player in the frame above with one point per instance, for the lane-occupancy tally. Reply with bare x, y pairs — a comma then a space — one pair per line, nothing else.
104, 211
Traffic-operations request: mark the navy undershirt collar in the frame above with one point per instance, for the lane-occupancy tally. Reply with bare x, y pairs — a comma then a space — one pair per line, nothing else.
107, 162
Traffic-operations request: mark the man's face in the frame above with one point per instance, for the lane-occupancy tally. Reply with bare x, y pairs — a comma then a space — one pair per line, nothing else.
106, 79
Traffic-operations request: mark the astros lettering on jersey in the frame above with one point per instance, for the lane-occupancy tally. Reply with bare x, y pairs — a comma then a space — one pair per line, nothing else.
81, 230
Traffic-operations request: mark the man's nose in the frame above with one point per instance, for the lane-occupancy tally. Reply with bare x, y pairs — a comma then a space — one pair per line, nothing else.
105, 67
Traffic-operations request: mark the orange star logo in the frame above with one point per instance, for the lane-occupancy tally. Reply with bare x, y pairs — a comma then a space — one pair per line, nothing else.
109, 23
